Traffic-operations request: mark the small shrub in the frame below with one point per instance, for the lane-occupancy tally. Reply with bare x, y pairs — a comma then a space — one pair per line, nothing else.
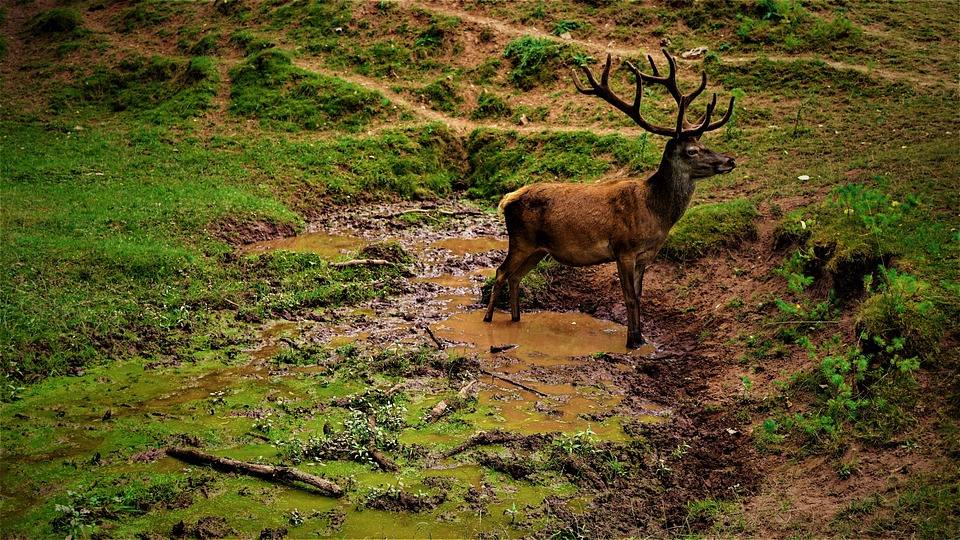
899, 310
55, 21
490, 105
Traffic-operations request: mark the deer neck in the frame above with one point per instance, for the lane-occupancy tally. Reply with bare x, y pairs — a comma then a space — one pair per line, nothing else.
671, 189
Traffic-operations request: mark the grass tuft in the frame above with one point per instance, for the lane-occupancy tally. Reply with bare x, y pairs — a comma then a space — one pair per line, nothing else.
709, 227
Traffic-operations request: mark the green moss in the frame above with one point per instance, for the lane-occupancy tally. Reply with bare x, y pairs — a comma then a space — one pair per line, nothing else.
709, 227
55, 21
268, 87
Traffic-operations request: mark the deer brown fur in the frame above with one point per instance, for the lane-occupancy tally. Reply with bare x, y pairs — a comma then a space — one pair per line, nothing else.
624, 221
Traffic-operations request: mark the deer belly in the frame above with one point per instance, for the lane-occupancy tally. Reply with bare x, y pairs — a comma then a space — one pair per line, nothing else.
582, 254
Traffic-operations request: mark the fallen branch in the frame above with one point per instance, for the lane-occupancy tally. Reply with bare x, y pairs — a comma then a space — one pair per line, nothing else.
383, 460
440, 345
515, 383
495, 436
437, 411
362, 262
467, 390
263, 438
501, 348
267, 472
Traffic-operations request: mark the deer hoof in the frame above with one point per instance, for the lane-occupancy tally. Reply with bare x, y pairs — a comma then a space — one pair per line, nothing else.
636, 344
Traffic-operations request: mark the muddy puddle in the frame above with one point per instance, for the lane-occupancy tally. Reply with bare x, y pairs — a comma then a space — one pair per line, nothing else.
528, 365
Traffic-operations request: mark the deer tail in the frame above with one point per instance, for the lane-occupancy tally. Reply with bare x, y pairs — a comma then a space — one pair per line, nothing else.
509, 198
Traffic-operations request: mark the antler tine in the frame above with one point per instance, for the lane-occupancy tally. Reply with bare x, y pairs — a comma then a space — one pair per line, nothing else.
669, 81
699, 127
703, 85
719, 123
602, 90
704, 125
653, 66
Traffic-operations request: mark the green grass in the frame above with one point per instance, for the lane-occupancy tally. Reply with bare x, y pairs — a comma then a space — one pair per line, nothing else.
269, 88
109, 241
709, 227
502, 162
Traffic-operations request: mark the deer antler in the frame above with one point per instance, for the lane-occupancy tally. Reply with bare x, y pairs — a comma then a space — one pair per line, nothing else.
683, 127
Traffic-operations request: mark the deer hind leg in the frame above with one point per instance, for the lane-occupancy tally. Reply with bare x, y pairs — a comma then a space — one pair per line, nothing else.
515, 278
630, 281
515, 265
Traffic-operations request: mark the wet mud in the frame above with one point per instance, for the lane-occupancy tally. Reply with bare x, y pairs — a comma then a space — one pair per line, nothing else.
563, 370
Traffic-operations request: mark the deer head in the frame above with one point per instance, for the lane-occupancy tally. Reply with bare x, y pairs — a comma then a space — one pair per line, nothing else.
684, 153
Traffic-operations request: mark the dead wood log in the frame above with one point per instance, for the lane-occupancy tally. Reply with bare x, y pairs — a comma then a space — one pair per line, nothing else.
444, 407
383, 460
286, 475
437, 411
363, 262
495, 436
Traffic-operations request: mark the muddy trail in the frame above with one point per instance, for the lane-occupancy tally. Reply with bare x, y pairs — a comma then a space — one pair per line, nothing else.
562, 399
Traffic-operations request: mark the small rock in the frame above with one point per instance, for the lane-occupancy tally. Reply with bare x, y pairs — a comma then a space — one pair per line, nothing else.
695, 52
566, 35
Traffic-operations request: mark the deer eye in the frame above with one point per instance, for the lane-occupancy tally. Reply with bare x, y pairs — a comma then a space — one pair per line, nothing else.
692, 151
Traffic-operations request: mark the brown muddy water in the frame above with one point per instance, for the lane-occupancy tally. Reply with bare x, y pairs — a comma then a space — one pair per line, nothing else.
525, 380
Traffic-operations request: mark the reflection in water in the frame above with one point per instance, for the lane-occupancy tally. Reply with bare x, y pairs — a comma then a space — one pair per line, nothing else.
464, 246
545, 334
328, 246
541, 367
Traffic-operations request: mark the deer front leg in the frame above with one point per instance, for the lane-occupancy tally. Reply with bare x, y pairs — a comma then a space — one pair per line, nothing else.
627, 270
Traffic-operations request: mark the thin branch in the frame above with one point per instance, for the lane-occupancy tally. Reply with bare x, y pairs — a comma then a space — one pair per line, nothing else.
363, 262
515, 383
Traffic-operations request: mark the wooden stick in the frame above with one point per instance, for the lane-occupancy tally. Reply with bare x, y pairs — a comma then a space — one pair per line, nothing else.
440, 345
443, 407
515, 383
495, 436
267, 472
362, 262
383, 460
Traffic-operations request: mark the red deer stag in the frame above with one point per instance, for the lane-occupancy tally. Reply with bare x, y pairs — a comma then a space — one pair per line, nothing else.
624, 221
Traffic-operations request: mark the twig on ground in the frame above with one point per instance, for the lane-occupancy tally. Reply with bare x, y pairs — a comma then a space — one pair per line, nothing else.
267, 472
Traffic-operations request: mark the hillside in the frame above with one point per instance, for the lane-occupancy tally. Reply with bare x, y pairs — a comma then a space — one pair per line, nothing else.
264, 230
